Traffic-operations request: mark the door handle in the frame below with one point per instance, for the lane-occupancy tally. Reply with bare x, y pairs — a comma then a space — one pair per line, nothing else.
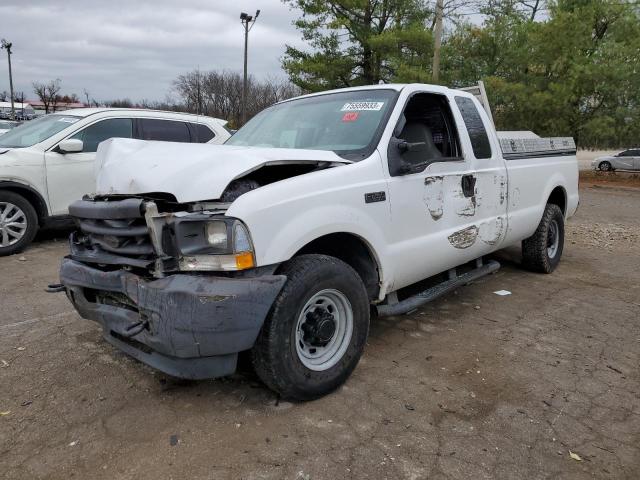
468, 183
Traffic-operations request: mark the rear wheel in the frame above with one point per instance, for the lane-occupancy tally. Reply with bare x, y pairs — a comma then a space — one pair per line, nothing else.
541, 252
316, 330
18, 223
605, 166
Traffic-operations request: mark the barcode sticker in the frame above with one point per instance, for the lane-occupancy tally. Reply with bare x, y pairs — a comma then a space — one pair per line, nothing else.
362, 106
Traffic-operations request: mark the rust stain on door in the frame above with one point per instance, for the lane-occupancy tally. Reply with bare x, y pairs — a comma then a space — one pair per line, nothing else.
434, 196
464, 238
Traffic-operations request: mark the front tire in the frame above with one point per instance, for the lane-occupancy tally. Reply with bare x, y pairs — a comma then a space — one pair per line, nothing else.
316, 331
605, 167
541, 252
18, 223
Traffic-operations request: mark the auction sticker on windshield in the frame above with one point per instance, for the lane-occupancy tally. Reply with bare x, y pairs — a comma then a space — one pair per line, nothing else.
68, 120
350, 117
361, 106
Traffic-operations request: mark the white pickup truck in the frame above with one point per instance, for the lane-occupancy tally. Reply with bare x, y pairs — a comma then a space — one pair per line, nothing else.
318, 212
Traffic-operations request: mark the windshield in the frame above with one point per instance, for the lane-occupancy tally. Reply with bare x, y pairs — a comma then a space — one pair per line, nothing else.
36, 131
345, 122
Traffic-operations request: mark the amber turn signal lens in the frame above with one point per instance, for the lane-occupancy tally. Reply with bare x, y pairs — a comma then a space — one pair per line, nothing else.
244, 260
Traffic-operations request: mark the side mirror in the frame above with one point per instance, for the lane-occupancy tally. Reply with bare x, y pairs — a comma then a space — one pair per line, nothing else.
397, 147
71, 145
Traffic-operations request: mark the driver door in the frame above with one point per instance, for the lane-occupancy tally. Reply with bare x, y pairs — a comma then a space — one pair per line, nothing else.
624, 161
70, 176
432, 189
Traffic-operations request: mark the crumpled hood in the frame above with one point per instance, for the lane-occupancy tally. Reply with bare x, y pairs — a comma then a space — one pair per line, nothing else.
191, 172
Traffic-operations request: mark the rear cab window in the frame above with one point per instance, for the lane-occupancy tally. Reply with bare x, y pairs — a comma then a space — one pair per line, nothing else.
475, 127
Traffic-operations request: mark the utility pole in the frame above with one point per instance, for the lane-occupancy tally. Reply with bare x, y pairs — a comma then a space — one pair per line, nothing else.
6, 45
437, 40
247, 23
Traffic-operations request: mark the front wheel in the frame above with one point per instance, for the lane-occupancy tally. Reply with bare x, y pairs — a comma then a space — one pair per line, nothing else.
541, 252
315, 333
605, 167
18, 223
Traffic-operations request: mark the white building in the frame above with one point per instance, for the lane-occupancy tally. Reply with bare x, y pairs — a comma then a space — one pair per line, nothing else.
23, 110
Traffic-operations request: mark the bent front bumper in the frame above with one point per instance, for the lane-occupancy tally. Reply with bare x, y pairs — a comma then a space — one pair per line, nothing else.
188, 326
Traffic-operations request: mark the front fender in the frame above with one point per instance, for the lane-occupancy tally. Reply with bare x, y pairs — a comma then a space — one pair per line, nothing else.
285, 216
304, 228
17, 185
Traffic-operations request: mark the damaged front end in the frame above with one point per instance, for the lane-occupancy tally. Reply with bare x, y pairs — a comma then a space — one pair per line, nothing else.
137, 267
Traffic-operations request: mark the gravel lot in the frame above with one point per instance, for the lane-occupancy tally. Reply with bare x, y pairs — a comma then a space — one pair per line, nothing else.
474, 385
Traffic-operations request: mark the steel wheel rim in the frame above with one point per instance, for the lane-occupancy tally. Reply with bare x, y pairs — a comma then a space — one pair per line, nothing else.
327, 302
553, 239
13, 224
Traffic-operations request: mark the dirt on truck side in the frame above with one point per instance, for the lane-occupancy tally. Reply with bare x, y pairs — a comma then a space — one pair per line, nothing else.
541, 383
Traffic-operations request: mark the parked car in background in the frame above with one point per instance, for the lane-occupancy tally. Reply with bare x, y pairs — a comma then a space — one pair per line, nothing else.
625, 160
48, 163
6, 125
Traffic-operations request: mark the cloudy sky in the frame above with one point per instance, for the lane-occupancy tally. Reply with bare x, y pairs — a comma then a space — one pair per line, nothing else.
136, 48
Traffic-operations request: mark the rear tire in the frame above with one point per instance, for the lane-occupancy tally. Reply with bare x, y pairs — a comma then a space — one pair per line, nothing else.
541, 252
316, 331
18, 223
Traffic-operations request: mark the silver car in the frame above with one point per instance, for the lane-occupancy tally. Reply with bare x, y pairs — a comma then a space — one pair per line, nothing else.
625, 160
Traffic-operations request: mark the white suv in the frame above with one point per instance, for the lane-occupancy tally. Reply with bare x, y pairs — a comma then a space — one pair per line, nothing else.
48, 163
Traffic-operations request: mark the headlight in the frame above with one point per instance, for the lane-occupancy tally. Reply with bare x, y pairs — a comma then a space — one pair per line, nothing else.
207, 244
217, 234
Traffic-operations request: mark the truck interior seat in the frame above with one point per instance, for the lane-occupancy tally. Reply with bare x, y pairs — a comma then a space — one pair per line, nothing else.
414, 132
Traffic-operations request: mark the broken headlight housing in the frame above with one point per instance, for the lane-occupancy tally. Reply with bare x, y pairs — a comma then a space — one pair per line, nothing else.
213, 243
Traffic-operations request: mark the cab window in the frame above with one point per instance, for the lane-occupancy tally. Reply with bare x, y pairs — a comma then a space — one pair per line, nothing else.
630, 153
475, 126
164, 130
104, 130
425, 133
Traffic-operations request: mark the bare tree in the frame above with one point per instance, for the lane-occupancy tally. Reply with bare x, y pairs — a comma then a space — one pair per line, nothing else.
120, 103
48, 93
73, 98
219, 94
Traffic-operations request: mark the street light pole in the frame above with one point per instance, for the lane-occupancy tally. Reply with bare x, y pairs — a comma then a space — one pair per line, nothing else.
6, 45
247, 23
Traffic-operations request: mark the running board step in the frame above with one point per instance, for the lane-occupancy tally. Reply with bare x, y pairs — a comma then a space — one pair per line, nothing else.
411, 303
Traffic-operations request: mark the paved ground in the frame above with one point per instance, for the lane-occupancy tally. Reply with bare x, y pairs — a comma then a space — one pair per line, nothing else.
453, 391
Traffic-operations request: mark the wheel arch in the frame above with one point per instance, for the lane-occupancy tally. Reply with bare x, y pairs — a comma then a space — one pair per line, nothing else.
30, 194
558, 196
605, 160
352, 249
